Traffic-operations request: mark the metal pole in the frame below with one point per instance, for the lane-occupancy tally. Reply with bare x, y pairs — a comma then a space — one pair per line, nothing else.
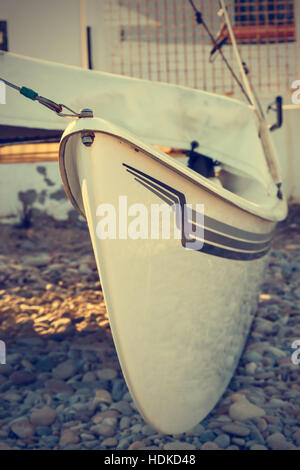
297, 23
83, 35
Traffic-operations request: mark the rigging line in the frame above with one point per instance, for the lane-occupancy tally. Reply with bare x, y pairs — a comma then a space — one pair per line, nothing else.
242, 66
200, 20
34, 96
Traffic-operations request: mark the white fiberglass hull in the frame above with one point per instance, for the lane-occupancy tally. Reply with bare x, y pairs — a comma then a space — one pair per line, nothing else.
179, 317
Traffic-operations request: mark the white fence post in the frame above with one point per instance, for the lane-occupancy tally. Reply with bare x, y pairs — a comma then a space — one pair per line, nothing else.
297, 21
2, 352
2, 92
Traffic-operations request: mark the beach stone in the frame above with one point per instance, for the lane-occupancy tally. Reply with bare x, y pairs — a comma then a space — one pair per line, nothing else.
68, 437
196, 430
296, 437
23, 429
103, 415
32, 341
43, 430
209, 446
87, 437
103, 430
58, 386
12, 397
222, 441
277, 441
49, 441
38, 259
179, 445
118, 389
6, 369
22, 377
43, 416
253, 356
262, 424
106, 374
258, 447
236, 430
2, 379
45, 365
4, 446
207, 436
147, 430
250, 368
123, 407
65, 370
238, 441
243, 410
102, 396
111, 442
89, 377
124, 423
136, 445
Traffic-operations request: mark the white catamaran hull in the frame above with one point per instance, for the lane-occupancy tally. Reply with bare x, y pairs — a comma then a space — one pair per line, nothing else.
179, 317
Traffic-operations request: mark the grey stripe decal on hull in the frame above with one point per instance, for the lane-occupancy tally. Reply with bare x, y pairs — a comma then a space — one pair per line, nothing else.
252, 246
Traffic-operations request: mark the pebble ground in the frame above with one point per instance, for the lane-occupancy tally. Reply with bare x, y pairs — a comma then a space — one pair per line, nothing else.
62, 387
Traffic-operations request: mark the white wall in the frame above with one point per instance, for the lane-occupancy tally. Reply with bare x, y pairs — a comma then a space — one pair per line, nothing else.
44, 29
42, 179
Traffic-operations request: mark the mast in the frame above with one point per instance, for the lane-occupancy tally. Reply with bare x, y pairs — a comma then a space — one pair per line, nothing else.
264, 132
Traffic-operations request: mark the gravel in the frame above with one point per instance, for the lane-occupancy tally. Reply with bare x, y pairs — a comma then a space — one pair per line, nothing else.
62, 386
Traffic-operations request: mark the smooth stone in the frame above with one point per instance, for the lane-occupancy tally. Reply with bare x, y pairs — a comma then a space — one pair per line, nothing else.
111, 442
87, 437
123, 407
196, 430
118, 389
243, 410
223, 441
39, 259
23, 429
22, 377
239, 441
58, 386
296, 437
43, 430
6, 369
209, 446
277, 441
262, 424
67, 437
124, 423
99, 417
250, 368
32, 341
207, 436
179, 445
106, 374
236, 429
64, 370
258, 447
148, 430
49, 441
45, 365
136, 445
43, 416
4, 446
89, 377
103, 430
253, 356
102, 396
